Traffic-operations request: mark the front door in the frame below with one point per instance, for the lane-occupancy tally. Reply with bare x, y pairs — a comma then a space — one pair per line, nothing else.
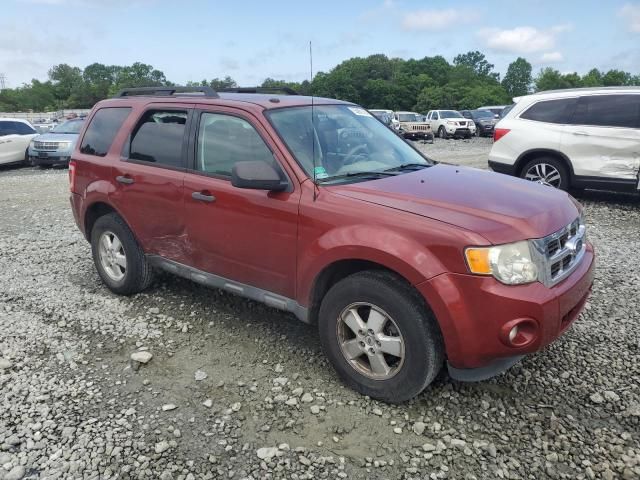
603, 138
149, 180
248, 236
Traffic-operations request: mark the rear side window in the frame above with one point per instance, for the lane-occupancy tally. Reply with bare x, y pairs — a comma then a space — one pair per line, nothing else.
608, 111
15, 128
102, 130
224, 140
551, 111
158, 138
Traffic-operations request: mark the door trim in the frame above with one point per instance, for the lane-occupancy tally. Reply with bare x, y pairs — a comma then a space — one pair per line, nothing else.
270, 299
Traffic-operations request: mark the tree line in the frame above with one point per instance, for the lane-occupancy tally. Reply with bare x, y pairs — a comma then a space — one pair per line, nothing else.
376, 81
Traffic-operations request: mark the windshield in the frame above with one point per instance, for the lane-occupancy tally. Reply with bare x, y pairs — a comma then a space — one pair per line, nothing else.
450, 114
483, 114
72, 126
409, 117
342, 140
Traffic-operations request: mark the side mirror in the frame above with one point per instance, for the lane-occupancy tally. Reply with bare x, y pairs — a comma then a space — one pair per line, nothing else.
257, 175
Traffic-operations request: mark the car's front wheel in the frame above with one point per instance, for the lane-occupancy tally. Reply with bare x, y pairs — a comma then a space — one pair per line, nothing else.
118, 257
547, 171
442, 133
380, 336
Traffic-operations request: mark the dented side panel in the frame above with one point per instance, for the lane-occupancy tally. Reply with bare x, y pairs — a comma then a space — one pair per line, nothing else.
609, 152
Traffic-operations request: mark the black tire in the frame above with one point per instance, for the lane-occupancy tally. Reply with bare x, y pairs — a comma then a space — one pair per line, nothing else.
563, 184
423, 345
138, 274
27, 160
442, 133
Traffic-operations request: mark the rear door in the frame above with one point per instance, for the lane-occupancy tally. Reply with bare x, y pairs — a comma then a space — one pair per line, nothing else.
248, 236
149, 178
603, 137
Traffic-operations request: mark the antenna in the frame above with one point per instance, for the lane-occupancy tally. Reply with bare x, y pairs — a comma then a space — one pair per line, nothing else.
313, 128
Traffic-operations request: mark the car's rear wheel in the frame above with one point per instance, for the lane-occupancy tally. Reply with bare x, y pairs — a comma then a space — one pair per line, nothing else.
380, 336
547, 171
118, 258
442, 133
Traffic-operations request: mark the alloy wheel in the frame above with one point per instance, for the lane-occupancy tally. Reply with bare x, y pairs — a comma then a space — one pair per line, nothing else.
544, 174
370, 341
112, 256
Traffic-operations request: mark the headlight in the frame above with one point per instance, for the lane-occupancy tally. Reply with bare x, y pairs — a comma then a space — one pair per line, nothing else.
32, 144
511, 263
449, 122
64, 145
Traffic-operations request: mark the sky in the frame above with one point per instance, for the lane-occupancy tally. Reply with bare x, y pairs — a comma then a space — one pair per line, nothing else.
252, 40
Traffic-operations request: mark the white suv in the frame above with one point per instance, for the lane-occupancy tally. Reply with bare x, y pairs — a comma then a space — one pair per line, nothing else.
15, 135
578, 138
450, 123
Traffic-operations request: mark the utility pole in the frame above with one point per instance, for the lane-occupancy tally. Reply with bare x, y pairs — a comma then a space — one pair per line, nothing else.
3, 82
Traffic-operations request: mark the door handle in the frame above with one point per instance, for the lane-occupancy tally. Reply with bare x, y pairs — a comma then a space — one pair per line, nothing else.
582, 134
124, 179
203, 196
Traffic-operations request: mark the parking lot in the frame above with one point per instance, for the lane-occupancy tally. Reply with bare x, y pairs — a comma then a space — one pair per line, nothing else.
237, 390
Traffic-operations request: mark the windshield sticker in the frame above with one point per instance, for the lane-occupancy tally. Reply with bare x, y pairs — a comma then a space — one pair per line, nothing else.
320, 172
360, 111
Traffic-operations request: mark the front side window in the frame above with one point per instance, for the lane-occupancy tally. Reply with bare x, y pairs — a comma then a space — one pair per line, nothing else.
551, 111
16, 128
224, 140
158, 138
341, 141
608, 111
102, 130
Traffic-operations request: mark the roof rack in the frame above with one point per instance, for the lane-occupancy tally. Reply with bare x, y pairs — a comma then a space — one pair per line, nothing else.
285, 90
166, 91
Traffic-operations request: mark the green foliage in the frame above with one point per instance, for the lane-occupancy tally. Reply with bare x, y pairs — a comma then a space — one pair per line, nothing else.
518, 79
376, 81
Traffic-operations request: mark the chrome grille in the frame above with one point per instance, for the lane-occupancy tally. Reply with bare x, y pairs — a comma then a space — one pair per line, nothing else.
560, 253
421, 127
46, 146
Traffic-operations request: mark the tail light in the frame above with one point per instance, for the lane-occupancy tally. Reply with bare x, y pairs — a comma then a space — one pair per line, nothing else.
72, 176
498, 133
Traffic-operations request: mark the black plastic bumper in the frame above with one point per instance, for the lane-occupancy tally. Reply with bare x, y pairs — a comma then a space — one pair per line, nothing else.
502, 168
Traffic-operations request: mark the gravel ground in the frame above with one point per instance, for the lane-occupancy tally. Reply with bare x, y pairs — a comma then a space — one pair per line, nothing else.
232, 389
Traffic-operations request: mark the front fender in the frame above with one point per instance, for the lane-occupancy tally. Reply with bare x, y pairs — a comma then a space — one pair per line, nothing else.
373, 243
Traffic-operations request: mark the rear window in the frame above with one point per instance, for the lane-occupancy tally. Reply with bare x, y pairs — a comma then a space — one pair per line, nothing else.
15, 128
102, 130
158, 138
608, 111
551, 111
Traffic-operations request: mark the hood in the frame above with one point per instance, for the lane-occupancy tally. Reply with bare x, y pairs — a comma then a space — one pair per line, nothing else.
57, 137
502, 209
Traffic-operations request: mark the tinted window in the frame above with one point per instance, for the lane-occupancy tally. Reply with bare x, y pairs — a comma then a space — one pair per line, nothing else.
550, 111
608, 111
158, 138
224, 140
15, 128
102, 130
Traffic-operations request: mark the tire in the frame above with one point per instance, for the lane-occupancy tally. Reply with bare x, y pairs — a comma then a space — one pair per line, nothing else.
541, 170
27, 161
406, 315
442, 133
137, 274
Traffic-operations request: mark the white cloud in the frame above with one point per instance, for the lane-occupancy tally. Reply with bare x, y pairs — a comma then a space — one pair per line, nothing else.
551, 57
434, 20
631, 12
522, 39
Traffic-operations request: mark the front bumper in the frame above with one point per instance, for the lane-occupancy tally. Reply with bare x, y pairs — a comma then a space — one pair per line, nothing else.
502, 167
485, 129
38, 157
473, 312
417, 135
460, 131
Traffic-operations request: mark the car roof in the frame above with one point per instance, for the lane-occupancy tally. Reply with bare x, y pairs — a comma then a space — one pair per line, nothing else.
9, 119
580, 91
266, 101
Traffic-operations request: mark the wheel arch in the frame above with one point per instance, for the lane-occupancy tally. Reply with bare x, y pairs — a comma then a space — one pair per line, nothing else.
97, 209
541, 152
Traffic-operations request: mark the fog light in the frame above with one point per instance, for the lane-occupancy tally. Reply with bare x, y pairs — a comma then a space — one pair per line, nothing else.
513, 333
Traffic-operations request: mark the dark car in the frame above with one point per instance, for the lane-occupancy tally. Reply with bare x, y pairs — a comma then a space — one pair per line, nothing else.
484, 119
312, 206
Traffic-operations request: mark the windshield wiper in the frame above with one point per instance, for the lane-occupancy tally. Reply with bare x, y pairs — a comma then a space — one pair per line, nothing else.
407, 166
372, 173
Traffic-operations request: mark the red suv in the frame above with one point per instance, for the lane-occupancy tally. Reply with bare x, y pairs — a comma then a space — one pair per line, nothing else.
313, 206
